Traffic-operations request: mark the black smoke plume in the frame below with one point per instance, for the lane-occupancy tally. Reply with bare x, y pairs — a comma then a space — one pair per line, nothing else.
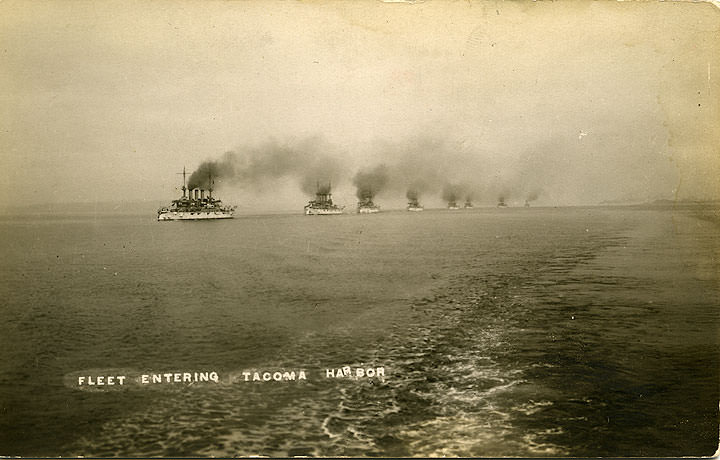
370, 182
452, 192
504, 194
306, 161
532, 196
421, 164
323, 189
218, 170
412, 194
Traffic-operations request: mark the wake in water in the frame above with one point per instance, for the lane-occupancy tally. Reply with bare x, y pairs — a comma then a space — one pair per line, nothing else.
445, 394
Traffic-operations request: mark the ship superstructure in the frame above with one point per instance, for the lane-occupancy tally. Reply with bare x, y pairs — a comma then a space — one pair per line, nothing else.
323, 204
194, 205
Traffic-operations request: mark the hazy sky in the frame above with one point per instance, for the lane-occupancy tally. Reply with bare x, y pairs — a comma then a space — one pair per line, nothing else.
578, 101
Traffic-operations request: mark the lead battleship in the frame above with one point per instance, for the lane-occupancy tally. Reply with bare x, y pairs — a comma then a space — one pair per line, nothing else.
323, 204
197, 207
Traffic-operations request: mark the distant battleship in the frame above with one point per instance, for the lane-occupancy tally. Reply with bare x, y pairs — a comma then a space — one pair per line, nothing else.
366, 206
468, 204
452, 205
197, 207
527, 204
501, 203
414, 205
322, 205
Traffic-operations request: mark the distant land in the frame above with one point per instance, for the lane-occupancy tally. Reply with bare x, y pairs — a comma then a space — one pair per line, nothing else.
661, 202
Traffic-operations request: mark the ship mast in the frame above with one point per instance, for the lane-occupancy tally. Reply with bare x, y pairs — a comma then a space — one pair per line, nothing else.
183, 187
210, 185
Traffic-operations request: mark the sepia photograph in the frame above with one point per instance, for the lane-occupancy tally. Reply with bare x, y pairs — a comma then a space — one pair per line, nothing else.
322, 228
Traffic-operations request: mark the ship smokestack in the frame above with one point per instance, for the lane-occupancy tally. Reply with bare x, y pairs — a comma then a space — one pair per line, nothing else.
197, 194
202, 194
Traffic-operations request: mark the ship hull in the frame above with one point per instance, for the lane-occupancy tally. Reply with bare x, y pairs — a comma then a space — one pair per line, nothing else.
367, 210
198, 215
415, 208
322, 212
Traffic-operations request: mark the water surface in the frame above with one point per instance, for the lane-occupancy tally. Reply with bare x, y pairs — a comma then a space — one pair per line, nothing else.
523, 332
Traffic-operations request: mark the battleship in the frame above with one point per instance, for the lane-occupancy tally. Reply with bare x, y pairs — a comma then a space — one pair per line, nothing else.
413, 202
366, 206
196, 206
322, 205
452, 205
468, 204
415, 206
501, 203
527, 204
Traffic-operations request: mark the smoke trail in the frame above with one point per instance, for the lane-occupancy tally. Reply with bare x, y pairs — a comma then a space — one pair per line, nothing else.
425, 165
452, 192
422, 163
306, 161
532, 196
370, 182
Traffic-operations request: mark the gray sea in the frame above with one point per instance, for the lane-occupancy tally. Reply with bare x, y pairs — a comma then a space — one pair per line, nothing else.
488, 332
